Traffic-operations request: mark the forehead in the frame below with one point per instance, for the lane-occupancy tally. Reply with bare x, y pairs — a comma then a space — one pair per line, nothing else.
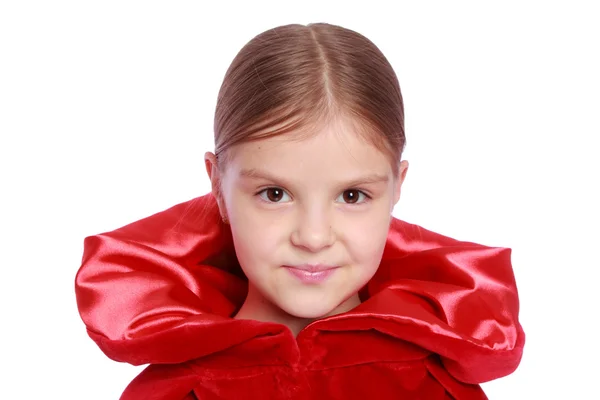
336, 149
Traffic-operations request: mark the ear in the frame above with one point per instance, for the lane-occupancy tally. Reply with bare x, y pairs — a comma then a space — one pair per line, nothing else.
402, 170
212, 169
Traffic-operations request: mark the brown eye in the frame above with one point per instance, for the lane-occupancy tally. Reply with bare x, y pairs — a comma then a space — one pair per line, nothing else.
353, 196
273, 195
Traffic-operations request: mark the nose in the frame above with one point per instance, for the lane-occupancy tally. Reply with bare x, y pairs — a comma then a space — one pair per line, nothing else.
313, 231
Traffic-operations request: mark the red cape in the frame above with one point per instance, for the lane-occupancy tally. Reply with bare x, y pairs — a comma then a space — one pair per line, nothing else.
161, 291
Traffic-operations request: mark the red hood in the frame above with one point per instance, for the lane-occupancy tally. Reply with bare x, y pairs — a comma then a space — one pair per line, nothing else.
162, 290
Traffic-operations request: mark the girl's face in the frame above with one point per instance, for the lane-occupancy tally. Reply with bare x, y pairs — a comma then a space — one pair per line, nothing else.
309, 218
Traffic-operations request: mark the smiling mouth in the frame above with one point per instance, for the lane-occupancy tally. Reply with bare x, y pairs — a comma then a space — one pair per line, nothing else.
312, 267
311, 274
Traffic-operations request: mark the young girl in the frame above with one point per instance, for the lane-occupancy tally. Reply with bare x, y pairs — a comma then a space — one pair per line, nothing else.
292, 280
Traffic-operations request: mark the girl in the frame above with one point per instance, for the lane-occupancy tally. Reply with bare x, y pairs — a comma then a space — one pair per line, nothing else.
291, 279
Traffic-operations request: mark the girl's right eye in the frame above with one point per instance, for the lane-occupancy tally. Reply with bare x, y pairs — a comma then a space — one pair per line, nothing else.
274, 195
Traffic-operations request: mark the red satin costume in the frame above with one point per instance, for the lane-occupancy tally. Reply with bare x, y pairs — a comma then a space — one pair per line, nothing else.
439, 317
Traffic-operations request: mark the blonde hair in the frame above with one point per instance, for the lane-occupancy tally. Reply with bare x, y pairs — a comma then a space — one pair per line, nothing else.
295, 78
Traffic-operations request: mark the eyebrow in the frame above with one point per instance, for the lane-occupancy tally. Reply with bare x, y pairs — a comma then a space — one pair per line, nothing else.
254, 173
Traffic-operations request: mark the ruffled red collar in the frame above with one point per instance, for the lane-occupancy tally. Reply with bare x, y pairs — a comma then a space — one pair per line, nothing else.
162, 290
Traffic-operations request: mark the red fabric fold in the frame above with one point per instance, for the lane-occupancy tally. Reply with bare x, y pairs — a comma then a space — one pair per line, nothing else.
161, 291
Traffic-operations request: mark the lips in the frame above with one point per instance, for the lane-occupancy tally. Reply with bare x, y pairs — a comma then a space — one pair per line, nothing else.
311, 273
312, 267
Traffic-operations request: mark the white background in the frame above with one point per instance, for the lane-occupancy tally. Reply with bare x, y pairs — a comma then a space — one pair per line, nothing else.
106, 109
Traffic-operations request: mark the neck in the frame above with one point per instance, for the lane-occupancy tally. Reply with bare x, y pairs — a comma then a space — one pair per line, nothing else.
257, 307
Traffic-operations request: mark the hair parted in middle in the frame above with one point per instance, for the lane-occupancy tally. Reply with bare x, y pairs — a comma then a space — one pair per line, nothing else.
297, 78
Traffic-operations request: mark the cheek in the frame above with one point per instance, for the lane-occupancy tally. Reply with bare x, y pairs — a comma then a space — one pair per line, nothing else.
366, 241
257, 241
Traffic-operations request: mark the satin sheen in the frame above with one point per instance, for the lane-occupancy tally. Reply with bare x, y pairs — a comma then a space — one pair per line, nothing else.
439, 317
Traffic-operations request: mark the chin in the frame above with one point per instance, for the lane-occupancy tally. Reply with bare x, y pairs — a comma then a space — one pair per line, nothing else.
309, 309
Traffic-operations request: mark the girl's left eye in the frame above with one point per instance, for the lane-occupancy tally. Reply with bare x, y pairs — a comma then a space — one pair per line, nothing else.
353, 196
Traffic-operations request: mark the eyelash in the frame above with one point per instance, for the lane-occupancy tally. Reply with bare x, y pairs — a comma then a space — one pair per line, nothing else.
260, 192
